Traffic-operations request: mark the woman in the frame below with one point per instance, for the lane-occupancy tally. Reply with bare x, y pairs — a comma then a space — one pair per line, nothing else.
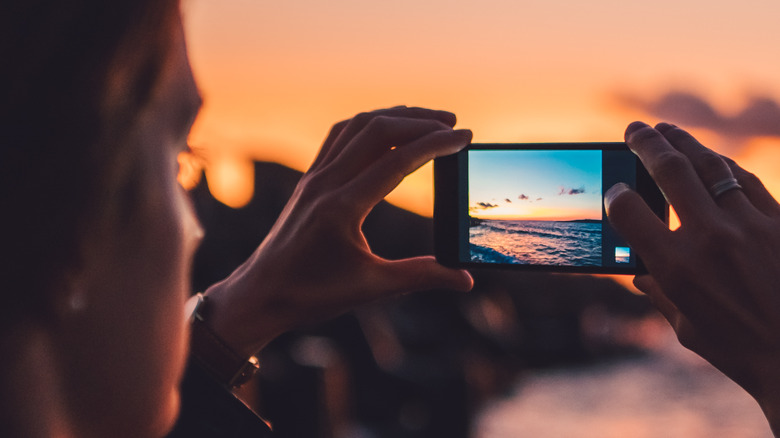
98, 238
97, 101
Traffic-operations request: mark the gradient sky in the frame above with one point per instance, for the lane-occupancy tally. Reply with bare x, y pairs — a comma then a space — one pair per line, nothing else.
277, 75
538, 185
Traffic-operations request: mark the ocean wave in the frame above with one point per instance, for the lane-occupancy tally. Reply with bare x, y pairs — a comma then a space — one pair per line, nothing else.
536, 242
552, 229
482, 254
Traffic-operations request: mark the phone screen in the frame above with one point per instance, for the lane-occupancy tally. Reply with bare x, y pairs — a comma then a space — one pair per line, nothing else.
540, 205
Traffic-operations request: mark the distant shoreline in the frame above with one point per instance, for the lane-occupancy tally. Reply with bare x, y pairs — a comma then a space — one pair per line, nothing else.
474, 221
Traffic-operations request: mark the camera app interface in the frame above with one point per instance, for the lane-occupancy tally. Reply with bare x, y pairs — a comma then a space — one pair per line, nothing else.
544, 207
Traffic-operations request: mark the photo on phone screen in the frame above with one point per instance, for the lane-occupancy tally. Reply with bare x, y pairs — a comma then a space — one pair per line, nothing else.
536, 205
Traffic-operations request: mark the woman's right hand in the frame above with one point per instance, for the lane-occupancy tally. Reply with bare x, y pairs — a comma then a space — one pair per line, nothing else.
716, 279
315, 263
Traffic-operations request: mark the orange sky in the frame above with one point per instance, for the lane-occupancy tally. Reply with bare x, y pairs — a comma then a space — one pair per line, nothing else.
277, 75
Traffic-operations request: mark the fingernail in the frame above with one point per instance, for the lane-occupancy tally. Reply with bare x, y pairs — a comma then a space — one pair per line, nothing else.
449, 118
467, 282
466, 134
635, 126
613, 192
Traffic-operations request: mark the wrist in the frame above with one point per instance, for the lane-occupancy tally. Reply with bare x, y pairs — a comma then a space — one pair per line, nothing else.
772, 413
236, 316
765, 389
222, 361
770, 405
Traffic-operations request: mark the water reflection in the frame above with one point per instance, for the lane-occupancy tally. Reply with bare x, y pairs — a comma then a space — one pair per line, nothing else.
669, 393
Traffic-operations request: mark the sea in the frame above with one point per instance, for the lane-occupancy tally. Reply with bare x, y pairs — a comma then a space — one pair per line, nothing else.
668, 392
559, 243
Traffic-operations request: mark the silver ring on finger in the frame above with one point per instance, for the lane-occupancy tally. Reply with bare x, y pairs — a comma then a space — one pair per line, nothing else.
723, 186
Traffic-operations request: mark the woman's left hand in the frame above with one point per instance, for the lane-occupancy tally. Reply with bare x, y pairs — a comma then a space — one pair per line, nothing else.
315, 263
716, 279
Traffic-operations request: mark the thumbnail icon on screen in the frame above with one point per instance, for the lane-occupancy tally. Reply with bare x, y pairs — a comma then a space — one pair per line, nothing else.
622, 254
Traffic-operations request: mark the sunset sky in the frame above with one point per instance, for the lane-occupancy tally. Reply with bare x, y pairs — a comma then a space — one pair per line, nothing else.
535, 185
277, 75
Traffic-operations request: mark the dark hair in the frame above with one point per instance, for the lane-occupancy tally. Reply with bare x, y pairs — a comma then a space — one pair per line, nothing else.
75, 76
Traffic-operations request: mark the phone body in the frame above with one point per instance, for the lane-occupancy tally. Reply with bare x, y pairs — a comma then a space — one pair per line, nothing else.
536, 206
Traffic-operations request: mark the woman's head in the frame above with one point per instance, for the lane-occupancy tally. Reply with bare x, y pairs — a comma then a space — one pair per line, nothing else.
58, 141
97, 99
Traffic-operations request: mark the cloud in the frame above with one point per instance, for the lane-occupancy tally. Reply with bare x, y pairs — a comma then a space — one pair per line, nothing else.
523, 197
571, 191
485, 205
759, 117
509, 201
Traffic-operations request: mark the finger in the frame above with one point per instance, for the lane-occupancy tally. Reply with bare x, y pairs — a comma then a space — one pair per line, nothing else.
710, 167
360, 121
424, 273
645, 283
634, 221
382, 176
648, 285
673, 173
327, 145
378, 138
754, 189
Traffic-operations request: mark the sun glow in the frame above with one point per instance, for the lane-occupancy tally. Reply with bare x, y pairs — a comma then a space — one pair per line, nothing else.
537, 213
276, 76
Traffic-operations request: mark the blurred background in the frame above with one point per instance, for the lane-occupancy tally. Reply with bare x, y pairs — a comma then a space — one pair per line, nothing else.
525, 354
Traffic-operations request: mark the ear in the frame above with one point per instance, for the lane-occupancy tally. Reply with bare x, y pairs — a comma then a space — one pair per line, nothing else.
70, 299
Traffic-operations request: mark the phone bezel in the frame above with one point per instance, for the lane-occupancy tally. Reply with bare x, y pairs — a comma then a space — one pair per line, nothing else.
450, 215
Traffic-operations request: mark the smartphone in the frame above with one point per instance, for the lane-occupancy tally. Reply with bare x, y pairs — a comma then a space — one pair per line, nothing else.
537, 206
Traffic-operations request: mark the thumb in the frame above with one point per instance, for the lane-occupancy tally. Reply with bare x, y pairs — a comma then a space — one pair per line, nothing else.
634, 221
425, 273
